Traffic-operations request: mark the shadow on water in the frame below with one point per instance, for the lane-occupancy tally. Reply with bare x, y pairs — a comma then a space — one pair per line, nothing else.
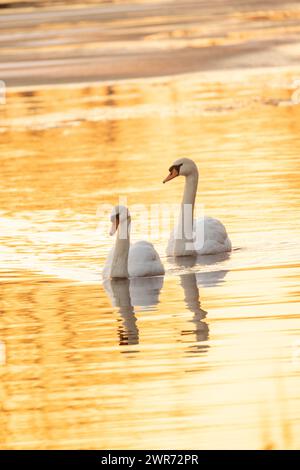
200, 330
204, 279
200, 260
211, 278
144, 293
190, 283
125, 294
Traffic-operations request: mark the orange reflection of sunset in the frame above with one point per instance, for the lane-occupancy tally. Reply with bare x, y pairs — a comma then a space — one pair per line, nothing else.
207, 356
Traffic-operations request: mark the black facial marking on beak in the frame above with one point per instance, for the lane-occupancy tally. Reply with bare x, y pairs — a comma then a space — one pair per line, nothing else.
174, 172
175, 167
115, 217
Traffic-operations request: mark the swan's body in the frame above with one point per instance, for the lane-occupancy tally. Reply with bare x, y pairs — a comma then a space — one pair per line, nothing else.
204, 236
215, 238
143, 261
125, 260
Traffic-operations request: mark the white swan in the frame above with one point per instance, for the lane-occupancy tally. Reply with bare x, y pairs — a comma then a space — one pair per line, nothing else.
138, 260
210, 234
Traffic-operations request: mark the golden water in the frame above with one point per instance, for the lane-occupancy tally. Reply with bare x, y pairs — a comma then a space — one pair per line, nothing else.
215, 362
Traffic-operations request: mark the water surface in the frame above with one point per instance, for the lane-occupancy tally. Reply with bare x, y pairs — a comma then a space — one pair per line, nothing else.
56, 41
206, 357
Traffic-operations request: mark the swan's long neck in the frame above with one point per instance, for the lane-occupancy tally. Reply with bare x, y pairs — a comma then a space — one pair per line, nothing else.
186, 216
190, 190
119, 266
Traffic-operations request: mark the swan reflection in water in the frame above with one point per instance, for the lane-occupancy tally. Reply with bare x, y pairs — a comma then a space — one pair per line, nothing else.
207, 278
200, 330
125, 294
190, 283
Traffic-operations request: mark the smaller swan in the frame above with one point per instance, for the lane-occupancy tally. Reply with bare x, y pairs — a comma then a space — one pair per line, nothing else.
138, 260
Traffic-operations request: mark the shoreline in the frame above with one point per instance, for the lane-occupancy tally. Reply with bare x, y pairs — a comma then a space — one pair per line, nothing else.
144, 40
202, 76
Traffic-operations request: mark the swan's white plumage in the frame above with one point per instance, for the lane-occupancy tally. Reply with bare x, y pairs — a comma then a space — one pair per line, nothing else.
107, 265
143, 261
215, 237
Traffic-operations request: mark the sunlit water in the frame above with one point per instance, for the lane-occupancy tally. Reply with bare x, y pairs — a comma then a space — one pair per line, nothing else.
209, 355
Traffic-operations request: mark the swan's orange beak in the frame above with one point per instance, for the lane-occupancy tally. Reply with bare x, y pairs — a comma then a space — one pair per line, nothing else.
114, 227
171, 175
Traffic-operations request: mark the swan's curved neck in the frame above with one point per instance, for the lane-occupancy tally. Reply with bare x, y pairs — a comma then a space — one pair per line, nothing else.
184, 235
119, 267
190, 189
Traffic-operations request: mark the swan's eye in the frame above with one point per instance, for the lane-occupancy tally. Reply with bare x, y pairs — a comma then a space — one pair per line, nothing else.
115, 217
175, 167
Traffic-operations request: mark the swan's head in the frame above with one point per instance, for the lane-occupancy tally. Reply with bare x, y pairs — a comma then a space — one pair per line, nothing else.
181, 167
119, 214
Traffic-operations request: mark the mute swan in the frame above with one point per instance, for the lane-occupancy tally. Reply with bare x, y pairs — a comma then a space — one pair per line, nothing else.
210, 232
138, 260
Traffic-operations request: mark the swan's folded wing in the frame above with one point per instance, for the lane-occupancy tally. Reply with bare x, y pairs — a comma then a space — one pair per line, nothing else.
144, 260
216, 239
